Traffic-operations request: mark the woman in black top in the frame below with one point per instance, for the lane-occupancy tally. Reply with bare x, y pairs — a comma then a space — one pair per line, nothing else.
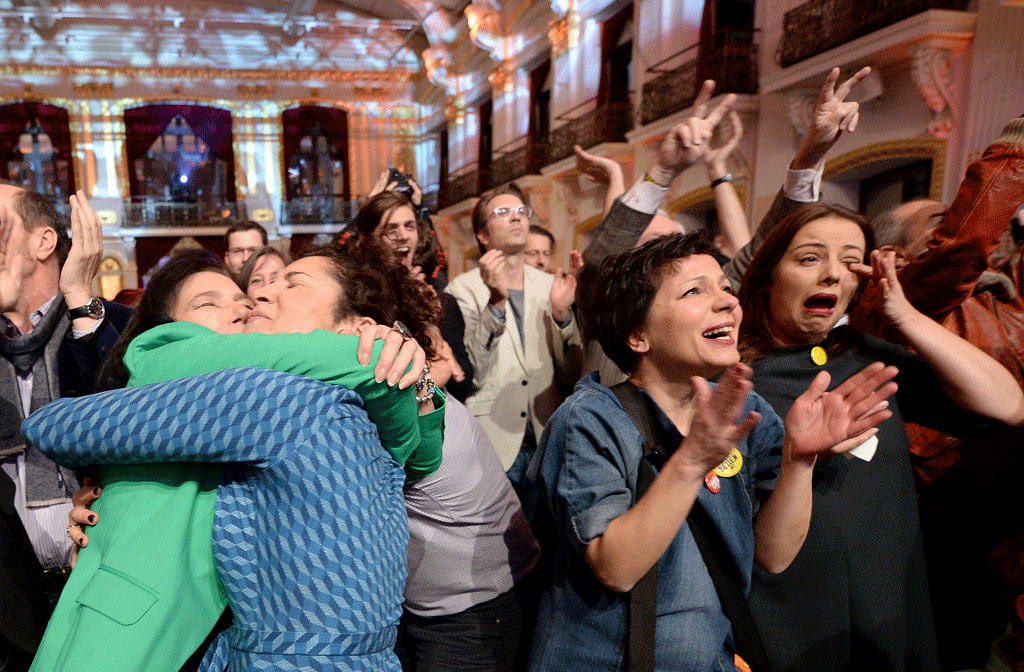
856, 596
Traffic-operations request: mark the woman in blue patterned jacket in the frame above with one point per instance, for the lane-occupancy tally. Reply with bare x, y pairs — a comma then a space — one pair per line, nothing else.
311, 506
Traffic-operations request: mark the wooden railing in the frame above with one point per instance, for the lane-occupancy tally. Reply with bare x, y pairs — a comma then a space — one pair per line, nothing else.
729, 57
817, 26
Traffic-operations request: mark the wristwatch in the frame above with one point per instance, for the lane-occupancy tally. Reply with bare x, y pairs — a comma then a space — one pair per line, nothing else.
94, 309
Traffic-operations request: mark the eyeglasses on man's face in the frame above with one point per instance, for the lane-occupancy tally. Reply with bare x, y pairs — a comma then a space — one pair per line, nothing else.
505, 212
239, 251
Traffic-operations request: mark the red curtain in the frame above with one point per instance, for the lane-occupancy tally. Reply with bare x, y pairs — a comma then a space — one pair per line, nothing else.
143, 125
54, 120
299, 121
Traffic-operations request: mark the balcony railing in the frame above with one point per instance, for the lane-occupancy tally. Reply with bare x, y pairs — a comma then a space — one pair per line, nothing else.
465, 184
145, 213
605, 123
729, 57
511, 164
334, 209
820, 25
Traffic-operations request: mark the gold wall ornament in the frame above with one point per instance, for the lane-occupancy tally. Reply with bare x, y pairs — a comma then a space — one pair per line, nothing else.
94, 89
564, 33
255, 91
503, 78
107, 217
262, 215
484, 24
370, 93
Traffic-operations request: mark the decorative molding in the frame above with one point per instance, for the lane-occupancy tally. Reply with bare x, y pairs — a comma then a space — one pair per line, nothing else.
484, 21
699, 196
334, 76
262, 215
255, 91
94, 89
937, 72
924, 148
503, 77
370, 93
800, 111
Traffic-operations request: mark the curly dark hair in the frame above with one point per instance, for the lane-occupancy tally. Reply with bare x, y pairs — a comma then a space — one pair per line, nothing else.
154, 308
374, 285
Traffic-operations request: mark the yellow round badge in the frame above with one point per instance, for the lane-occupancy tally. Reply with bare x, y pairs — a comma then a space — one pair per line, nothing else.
818, 355
731, 466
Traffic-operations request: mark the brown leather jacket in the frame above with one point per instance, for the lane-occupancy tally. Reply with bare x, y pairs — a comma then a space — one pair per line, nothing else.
940, 284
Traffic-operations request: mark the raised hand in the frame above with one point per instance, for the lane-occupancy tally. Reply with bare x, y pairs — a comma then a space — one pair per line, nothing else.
563, 289
895, 305
821, 422
715, 429
598, 168
687, 142
715, 160
83, 260
832, 115
10, 263
493, 267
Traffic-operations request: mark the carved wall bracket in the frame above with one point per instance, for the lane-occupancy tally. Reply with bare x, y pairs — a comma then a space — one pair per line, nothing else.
938, 73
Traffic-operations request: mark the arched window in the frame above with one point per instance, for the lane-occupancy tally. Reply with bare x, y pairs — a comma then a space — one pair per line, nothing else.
316, 166
35, 150
181, 163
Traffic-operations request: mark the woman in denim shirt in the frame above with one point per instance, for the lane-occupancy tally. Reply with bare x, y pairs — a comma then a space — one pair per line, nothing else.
670, 321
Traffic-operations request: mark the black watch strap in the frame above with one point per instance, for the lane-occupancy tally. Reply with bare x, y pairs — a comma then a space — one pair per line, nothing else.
94, 309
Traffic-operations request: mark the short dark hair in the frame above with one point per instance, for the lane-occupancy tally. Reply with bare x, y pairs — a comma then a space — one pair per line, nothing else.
154, 309
374, 285
541, 231
757, 337
481, 211
244, 225
245, 274
626, 285
38, 210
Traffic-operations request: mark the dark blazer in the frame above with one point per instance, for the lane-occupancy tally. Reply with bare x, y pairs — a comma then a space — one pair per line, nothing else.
25, 608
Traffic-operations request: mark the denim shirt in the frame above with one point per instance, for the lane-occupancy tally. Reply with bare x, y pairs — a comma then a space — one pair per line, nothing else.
586, 468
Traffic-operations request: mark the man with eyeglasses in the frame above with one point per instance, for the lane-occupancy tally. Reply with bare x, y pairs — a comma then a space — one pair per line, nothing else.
240, 241
520, 334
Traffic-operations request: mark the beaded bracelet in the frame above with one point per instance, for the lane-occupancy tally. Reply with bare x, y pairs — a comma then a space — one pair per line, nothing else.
425, 387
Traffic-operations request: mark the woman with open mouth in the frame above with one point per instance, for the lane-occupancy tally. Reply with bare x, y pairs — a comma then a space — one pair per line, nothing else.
723, 457
856, 595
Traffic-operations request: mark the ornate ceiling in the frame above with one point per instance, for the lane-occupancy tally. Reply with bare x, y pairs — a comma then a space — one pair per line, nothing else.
365, 42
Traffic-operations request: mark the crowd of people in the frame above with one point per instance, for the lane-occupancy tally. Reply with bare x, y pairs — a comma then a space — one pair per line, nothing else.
788, 448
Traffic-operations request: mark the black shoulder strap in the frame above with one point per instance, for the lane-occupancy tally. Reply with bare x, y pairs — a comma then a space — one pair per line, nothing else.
719, 562
643, 598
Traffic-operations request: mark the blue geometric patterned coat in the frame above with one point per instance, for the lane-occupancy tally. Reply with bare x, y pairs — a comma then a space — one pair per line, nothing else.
310, 532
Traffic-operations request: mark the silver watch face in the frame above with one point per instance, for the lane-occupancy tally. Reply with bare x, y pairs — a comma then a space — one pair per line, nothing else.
96, 308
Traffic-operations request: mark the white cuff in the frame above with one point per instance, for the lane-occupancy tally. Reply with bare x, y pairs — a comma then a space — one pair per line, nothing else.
79, 333
804, 186
644, 196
